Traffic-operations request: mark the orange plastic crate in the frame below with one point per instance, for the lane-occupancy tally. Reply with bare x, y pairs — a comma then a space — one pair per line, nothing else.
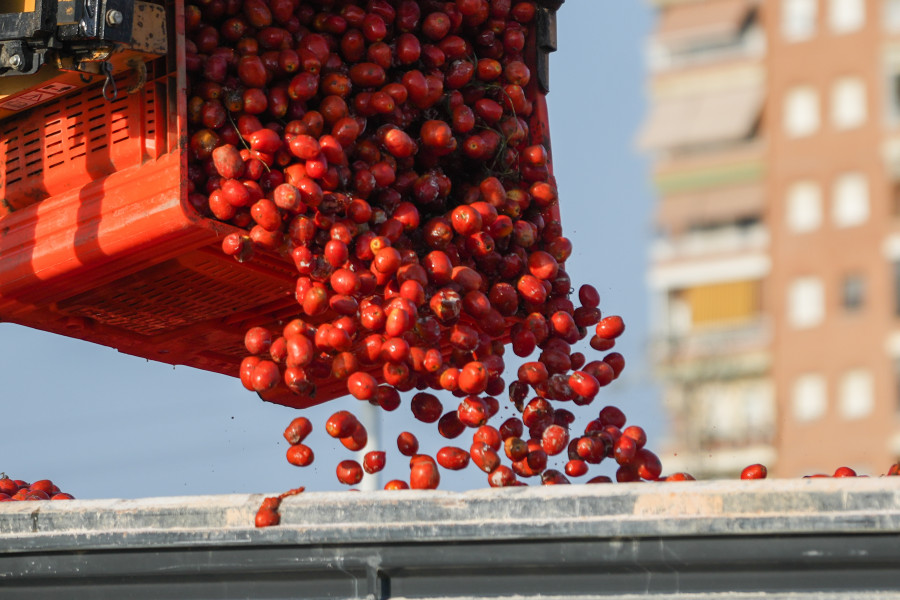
99, 243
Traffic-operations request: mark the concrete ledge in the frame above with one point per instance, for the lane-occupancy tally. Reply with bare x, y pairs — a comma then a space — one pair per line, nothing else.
633, 510
790, 540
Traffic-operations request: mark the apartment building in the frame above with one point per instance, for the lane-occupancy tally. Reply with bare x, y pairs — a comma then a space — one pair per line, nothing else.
775, 272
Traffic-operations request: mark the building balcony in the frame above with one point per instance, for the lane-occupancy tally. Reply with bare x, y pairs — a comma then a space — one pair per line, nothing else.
696, 33
665, 53
689, 168
730, 239
723, 350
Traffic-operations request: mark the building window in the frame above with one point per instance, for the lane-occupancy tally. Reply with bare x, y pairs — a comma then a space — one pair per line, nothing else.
804, 206
891, 16
809, 398
798, 19
850, 200
855, 395
853, 291
848, 103
801, 111
845, 16
806, 302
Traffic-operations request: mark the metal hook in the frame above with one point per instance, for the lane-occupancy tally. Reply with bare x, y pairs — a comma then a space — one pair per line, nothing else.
107, 69
141, 68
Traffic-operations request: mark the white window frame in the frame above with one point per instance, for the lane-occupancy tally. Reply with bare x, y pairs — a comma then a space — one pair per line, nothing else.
806, 302
856, 394
846, 16
850, 199
809, 397
891, 15
802, 111
799, 19
803, 206
849, 108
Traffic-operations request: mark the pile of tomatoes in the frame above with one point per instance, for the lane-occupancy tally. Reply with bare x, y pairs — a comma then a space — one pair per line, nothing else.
17, 489
385, 147
391, 149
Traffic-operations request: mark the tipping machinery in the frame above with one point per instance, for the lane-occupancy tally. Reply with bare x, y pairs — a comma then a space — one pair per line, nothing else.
98, 240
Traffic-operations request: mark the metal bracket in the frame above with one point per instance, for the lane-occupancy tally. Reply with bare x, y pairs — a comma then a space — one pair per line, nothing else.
546, 40
17, 58
378, 585
85, 30
107, 20
39, 23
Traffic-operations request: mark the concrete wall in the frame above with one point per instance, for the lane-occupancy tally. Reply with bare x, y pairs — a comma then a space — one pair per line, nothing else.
800, 538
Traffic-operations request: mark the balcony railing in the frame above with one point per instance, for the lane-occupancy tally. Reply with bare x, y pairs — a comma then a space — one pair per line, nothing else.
719, 342
664, 57
722, 240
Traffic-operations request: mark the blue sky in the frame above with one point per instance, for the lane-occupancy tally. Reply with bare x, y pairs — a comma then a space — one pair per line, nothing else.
102, 424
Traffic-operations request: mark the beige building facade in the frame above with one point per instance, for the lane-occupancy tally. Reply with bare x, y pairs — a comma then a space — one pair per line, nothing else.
774, 128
